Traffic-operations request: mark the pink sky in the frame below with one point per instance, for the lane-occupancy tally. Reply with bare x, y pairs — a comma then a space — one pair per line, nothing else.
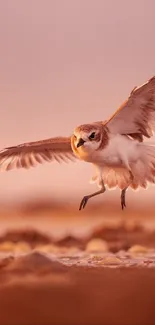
63, 63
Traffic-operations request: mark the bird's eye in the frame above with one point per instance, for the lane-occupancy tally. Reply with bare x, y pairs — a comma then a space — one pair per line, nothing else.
92, 136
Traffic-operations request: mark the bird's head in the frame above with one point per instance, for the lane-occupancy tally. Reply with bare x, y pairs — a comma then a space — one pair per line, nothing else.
87, 138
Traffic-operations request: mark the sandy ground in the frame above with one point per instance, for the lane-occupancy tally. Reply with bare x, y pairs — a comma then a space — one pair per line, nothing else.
62, 268
83, 289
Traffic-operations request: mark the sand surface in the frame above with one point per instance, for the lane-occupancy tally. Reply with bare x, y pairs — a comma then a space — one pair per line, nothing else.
105, 278
40, 288
76, 269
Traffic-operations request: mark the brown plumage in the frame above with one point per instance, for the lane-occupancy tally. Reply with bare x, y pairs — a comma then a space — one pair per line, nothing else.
30, 154
136, 116
89, 127
105, 138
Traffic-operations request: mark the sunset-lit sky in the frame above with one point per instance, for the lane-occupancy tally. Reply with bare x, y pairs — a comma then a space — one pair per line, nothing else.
64, 63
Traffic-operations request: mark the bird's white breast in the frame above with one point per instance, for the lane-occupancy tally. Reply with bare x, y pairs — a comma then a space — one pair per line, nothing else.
119, 152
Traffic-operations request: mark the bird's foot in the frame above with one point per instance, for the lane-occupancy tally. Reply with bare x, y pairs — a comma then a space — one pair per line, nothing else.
84, 202
87, 197
123, 203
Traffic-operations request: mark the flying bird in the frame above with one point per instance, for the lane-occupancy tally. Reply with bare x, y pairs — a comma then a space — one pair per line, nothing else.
116, 147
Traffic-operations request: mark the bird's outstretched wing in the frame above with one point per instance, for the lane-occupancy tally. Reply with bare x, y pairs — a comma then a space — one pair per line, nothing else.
136, 117
30, 154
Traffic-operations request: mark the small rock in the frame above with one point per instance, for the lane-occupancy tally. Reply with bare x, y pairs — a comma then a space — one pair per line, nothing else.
111, 260
97, 245
138, 249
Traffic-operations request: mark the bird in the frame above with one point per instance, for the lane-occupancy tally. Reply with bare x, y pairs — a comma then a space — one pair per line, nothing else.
117, 147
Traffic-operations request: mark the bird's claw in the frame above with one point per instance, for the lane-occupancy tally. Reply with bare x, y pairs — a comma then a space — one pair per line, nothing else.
123, 204
84, 202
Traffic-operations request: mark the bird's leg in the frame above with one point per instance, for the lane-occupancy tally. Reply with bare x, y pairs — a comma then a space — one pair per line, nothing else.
123, 193
87, 197
123, 203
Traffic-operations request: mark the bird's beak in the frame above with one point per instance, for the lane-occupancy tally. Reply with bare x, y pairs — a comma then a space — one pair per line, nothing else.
80, 143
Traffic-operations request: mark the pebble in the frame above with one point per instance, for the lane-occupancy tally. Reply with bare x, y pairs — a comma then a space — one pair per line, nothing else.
138, 249
97, 245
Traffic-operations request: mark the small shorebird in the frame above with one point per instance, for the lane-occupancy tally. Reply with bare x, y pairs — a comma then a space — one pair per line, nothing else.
115, 147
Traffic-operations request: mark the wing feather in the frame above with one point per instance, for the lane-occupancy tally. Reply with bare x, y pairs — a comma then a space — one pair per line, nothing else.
31, 154
137, 115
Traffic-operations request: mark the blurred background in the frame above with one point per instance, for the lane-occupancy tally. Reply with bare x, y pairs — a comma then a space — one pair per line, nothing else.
65, 63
